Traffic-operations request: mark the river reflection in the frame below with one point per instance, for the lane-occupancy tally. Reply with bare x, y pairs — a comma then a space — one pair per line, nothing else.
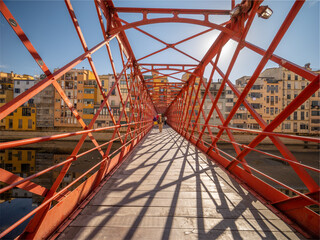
16, 203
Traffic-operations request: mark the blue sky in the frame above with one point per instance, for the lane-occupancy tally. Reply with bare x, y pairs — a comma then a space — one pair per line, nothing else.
49, 27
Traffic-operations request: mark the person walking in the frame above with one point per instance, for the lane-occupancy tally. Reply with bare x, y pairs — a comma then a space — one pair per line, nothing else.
155, 121
160, 123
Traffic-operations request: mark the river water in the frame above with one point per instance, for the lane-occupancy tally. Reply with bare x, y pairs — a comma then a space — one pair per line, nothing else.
24, 162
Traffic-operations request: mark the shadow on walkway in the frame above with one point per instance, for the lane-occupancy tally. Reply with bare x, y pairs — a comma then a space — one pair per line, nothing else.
167, 189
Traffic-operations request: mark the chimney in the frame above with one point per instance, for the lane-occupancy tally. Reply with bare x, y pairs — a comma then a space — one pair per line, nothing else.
307, 65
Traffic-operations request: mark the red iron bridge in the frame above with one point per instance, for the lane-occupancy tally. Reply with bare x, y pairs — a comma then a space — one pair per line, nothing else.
177, 184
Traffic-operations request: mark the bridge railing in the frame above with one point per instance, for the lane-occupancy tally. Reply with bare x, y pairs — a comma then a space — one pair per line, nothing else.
188, 116
127, 127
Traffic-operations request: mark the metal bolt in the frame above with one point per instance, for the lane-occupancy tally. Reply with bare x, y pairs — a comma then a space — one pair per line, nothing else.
40, 62
13, 22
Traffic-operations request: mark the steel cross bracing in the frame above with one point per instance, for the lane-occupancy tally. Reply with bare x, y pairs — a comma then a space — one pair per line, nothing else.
180, 100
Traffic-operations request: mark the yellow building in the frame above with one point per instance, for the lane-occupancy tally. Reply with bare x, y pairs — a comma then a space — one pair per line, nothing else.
290, 86
74, 83
105, 84
23, 118
18, 161
6, 92
89, 99
104, 118
314, 115
159, 93
273, 100
272, 92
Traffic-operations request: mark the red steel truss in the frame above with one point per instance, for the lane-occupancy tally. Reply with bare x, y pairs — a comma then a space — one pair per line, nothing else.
182, 104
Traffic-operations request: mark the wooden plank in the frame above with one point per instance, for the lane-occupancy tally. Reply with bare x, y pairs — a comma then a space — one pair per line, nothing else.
169, 190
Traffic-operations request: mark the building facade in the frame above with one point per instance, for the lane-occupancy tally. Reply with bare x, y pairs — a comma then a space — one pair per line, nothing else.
73, 85
6, 92
44, 102
272, 92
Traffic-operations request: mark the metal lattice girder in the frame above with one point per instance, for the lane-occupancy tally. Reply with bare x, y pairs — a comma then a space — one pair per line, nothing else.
182, 104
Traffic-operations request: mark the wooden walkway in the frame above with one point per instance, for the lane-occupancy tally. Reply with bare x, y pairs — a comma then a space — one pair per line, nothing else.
167, 189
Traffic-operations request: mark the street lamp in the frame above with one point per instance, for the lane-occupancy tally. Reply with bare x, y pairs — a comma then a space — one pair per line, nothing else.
264, 12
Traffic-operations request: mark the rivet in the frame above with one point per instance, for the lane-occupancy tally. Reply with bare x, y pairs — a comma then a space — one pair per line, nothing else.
13, 22
40, 62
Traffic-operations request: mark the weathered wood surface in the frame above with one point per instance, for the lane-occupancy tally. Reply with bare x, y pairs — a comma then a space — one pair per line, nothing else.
168, 190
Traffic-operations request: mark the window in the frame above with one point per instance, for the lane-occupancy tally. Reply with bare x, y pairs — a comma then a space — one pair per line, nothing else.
272, 100
30, 123
29, 156
303, 126
315, 104
287, 126
272, 89
18, 82
88, 111
267, 99
289, 86
256, 105
315, 113
88, 101
89, 91
20, 123
295, 77
113, 93
26, 112
289, 76
271, 111
27, 82
10, 156
276, 99
255, 95
17, 90
19, 155
10, 123
295, 116
288, 96
267, 110
315, 120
